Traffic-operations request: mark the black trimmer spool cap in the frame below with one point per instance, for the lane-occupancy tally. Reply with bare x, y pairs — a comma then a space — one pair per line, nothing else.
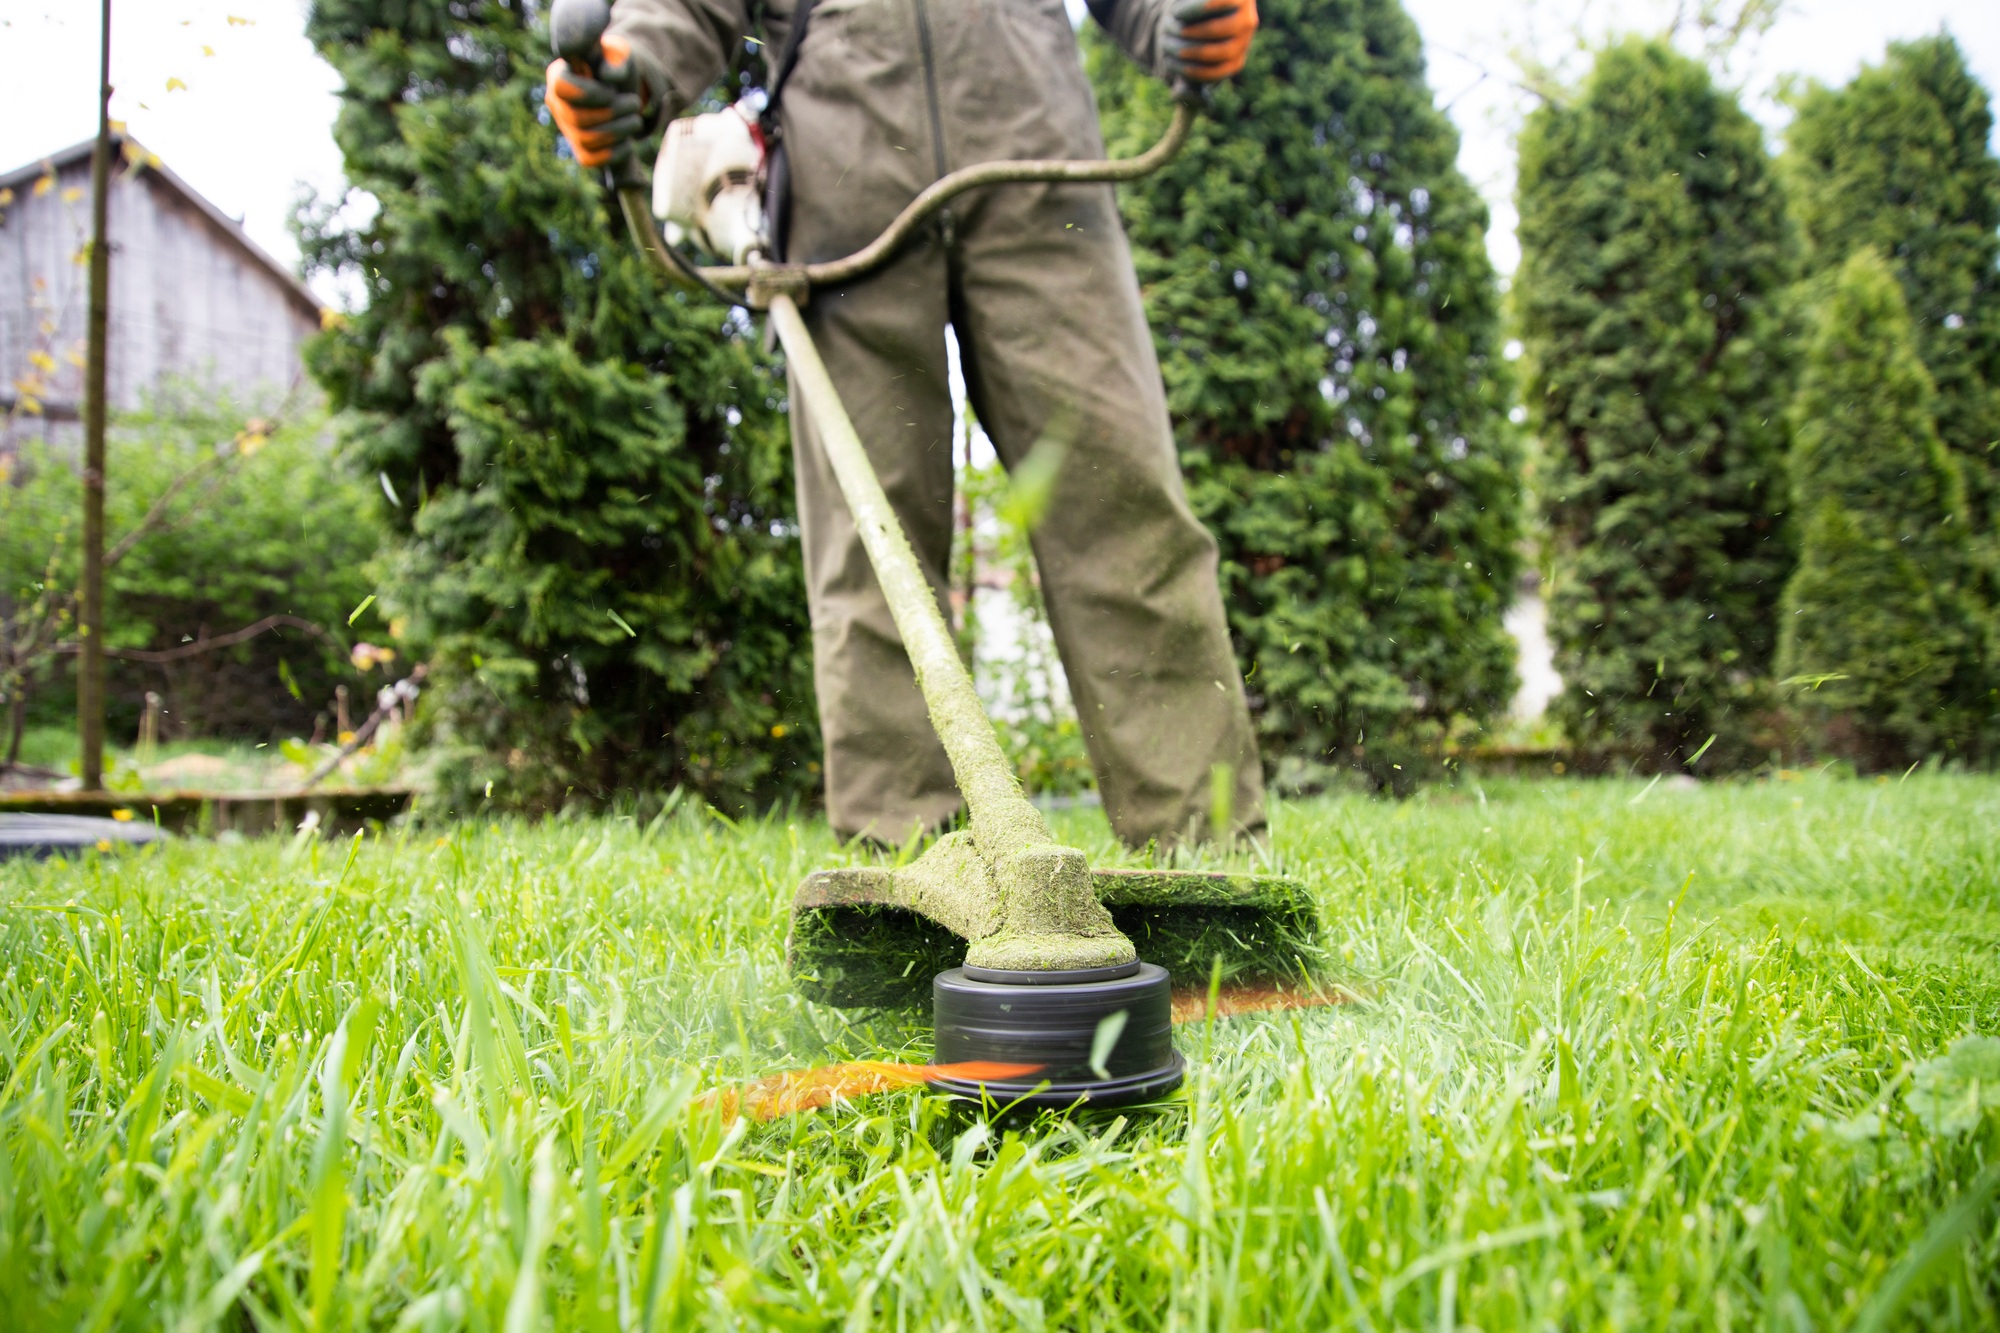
1052, 1019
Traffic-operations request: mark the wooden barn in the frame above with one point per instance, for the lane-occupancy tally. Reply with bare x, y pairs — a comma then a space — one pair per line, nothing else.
193, 299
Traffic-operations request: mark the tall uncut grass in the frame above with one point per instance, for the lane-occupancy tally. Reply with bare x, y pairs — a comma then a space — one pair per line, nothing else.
1629, 1056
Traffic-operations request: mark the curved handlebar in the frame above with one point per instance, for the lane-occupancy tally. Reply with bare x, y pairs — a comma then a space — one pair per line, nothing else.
947, 188
577, 29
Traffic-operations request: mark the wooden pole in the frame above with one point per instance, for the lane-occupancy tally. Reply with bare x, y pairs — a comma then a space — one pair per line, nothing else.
90, 667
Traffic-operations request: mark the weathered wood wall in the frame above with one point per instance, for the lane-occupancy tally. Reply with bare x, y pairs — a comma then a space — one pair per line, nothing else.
192, 298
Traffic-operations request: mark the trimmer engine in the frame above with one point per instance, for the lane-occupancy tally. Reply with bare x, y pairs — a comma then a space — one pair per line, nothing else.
705, 186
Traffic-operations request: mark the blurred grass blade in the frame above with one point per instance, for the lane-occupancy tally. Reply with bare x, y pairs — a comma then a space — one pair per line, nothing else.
1911, 1272
524, 1305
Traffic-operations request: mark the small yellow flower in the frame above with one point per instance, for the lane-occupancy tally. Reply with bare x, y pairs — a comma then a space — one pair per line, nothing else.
122, 816
778, 732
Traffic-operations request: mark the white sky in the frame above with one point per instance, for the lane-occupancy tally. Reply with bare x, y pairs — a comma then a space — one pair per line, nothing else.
251, 127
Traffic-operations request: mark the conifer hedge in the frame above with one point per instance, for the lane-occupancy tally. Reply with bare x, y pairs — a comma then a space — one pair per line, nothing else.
1882, 637
589, 484
1899, 159
1655, 260
1315, 273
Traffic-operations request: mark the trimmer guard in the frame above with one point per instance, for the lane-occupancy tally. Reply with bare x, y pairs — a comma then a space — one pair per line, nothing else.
858, 939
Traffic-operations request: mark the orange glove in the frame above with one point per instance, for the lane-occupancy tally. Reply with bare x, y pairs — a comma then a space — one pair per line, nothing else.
600, 116
1211, 38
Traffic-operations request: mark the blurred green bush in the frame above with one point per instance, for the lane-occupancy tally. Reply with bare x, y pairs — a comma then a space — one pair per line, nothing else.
1900, 159
1898, 163
1315, 271
1884, 639
255, 518
588, 482
1656, 267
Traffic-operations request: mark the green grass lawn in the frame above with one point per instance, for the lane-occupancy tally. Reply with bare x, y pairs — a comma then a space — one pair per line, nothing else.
1628, 1056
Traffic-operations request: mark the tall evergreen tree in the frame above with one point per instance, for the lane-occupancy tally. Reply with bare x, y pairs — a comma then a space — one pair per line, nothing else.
1316, 276
589, 481
1879, 628
1899, 159
1655, 256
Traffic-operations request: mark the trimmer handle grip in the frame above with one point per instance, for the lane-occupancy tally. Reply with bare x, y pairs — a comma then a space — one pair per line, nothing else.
576, 30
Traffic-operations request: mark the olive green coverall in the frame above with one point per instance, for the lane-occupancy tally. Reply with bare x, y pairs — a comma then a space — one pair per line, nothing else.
1036, 281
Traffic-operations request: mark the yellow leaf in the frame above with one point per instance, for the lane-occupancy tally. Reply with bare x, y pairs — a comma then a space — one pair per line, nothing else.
172, 84
42, 361
236, 22
208, 50
43, 184
117, 127
250, 441
72, 194
6, 198
330, 319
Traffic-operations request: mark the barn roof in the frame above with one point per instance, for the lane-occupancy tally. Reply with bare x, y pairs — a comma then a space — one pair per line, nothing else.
144, 161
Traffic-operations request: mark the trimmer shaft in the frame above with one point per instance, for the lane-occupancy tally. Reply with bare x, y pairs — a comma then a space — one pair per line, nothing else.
1053, 1019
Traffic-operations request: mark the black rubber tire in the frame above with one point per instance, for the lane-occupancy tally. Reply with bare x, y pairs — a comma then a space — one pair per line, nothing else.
38, 836
1053, 1025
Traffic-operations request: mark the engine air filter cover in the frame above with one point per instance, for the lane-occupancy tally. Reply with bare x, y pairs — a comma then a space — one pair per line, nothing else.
1053, 1019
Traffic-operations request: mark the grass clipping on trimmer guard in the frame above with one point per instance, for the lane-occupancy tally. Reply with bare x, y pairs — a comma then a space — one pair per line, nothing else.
1030, 953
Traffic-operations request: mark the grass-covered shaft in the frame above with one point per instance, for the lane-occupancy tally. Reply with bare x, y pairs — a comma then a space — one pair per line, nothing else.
1630, 1055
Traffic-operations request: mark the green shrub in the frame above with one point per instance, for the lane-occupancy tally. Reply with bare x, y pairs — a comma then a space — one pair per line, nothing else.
1655, 260
595, 544
1899, 159
996, 584
1316, 275
1880, 631
261, 524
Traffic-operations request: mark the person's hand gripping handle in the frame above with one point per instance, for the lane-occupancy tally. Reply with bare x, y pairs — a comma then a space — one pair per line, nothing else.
1210, 40
594, 93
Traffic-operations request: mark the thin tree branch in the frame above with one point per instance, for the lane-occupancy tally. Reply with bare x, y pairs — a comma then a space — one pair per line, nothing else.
224, 456
200, 646
153, 514
402, 691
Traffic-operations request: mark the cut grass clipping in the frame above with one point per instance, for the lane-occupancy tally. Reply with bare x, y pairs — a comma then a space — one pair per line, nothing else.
485, 1080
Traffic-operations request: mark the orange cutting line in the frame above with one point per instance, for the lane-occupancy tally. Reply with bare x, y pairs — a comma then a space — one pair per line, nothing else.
808, 1089
1191, 1004
799, 1090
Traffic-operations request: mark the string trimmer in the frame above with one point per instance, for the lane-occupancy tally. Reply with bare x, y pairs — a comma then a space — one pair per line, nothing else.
1028, 954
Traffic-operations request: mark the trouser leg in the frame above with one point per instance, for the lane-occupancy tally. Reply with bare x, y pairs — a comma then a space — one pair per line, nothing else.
1056, 347
883, 342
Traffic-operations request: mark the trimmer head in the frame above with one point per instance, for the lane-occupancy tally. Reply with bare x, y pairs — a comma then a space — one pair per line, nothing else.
1091, 1039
